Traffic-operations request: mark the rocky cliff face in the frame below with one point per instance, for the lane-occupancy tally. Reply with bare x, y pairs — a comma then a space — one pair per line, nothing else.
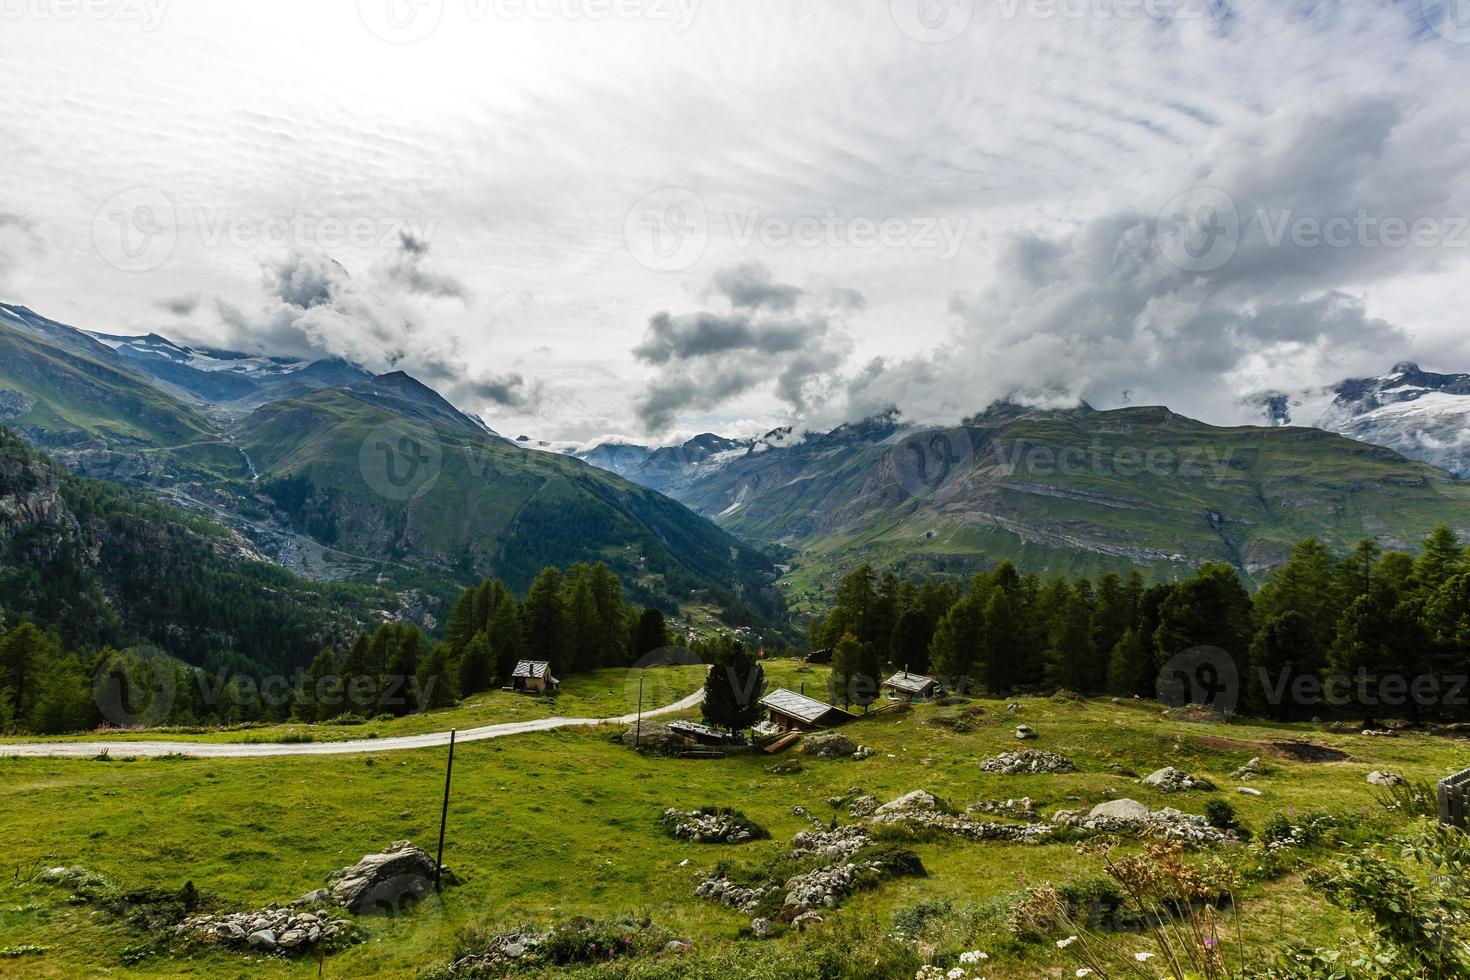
34, 519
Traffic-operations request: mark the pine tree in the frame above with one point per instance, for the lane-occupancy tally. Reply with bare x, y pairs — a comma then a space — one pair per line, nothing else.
845, 682
1071, 662
507, 640
912, 635
955, 649
650, 633
545, 619
1131, 669
1441, 558
437, 682
1283, 650
476, 666
733, 687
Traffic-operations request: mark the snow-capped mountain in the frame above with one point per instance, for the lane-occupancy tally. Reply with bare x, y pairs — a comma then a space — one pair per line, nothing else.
1423, 416
231, 380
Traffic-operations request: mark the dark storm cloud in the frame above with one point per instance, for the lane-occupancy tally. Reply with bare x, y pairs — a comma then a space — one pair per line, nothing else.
707, 358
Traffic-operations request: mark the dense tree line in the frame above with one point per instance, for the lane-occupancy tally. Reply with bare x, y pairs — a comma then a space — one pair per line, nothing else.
1373, 631
576, 619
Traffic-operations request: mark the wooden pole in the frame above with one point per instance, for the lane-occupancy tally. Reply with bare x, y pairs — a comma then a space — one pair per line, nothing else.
444, 814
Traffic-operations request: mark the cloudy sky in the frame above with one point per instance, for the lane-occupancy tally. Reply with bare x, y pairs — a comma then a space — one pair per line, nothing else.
647, 218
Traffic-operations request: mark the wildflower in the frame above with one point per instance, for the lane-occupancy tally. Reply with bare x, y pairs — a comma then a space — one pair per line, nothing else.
1143, 957
974, 957
958, 973
1084, 972
1064, 943
1211, 942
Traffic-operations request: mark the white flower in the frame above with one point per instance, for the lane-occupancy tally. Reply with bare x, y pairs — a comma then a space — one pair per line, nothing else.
958, 973
974, 957
1084, 972
1064, 943
1143, 957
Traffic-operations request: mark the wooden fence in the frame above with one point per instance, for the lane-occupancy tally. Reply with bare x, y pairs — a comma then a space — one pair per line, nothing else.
1454, 800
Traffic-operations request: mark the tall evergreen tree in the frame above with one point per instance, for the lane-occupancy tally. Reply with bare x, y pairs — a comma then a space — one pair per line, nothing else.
733, 687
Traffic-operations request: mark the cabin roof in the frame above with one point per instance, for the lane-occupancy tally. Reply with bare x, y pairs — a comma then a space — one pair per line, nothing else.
909, 683
532, 668
800, 706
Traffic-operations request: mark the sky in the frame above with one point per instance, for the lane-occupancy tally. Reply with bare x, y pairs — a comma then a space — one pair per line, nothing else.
643, 219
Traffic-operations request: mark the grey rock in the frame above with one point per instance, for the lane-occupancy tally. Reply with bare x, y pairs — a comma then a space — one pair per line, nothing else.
1380, 777
264, 940
1123, 810
1171, 780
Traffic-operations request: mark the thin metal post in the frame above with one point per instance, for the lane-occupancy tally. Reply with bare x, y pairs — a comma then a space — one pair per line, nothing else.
444, 814
638, 724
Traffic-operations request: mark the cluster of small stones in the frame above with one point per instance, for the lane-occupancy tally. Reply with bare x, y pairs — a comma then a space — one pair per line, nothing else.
862, 807
826, 887
271, 930
704, 828
921, 810
1249, 771
1028, 761
1171, 780
738, 897
505, 950
1022, 809
1129, 817
839, 843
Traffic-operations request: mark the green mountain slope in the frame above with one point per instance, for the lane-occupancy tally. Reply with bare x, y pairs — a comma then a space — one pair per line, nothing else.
104, 564
1076, 492
66, 393
470, 504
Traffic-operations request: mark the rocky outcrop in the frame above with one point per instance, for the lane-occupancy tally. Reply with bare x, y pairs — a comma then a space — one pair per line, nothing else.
272, 930
710, 826
1379, 777
838, 843
923, 811
1171, 780
1134, 819
386, 882
835, 745
1028, 761
653, 737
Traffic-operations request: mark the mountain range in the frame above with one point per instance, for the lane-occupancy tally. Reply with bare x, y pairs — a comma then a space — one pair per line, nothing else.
337, 474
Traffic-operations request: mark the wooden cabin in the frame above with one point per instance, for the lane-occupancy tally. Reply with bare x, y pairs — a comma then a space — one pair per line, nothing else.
534, 677
822, 656
792, 712
912, 687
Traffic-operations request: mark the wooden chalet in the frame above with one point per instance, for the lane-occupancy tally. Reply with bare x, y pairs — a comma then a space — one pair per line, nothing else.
912, 687
822, 656
534, 677
792, 712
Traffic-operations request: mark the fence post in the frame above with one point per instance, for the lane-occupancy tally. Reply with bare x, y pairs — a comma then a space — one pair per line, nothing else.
444, 814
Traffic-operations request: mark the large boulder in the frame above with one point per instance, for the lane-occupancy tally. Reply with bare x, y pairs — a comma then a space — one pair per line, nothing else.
832, 745
1380, 777
1123, 811
918, 801
654, 737
391, 881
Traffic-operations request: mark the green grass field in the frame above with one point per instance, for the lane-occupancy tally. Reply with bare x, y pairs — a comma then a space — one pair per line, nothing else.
556, 824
